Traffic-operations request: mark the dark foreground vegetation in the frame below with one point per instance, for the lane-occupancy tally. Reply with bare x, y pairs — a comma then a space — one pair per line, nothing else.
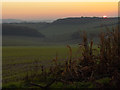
95, 68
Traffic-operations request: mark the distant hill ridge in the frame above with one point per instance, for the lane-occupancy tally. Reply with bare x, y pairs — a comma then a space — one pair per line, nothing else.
12, 21
59, 21
64, 31
79, 20
14, 30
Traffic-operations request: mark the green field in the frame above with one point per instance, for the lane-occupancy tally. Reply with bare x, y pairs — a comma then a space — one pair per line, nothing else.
22, 55
17, 61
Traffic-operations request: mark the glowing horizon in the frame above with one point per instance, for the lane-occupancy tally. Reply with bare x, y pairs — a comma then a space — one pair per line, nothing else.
53, 10
60, 0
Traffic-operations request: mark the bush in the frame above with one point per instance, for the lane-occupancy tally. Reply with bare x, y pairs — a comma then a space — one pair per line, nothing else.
89, 67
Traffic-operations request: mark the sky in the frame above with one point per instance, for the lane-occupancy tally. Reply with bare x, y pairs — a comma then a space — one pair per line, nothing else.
53, 10
61, 0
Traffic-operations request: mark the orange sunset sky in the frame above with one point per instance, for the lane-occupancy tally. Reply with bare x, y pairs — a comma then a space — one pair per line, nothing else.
54, 10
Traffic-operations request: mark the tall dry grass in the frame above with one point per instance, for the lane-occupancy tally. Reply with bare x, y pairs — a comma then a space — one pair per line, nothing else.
90, 66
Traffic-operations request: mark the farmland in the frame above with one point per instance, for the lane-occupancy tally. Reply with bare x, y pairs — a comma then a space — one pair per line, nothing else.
61, 57
19, 59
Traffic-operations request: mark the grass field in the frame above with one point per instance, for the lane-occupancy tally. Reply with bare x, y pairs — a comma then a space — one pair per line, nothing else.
87, 65
18, 60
